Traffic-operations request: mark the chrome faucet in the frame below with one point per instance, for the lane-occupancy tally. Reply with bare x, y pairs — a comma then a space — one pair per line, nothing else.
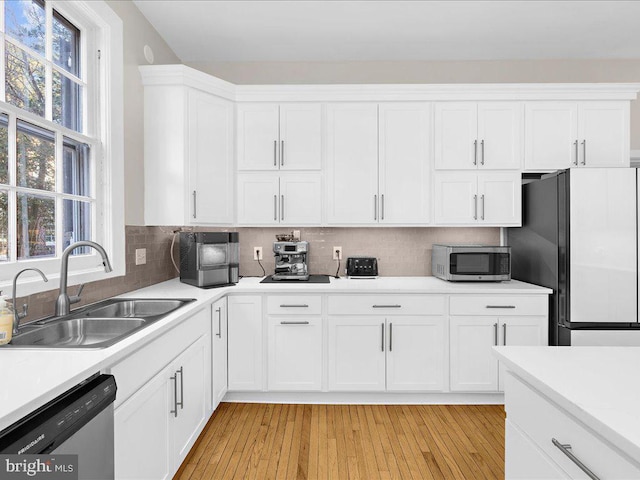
64, 301
19, 315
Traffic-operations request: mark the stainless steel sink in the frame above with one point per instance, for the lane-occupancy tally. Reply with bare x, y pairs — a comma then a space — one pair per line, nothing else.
95, 326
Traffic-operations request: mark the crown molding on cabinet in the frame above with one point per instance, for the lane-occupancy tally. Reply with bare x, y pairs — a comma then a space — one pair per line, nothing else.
183, 75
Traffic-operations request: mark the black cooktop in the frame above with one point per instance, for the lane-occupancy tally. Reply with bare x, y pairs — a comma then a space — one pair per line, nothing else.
312, 279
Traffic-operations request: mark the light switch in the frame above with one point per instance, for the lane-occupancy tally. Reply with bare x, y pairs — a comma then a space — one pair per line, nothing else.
141, 256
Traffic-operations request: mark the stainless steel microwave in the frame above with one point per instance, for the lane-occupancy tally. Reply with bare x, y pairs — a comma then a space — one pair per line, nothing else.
471, 263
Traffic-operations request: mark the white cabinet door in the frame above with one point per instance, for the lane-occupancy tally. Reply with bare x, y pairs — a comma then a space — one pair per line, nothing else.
245, 342
456, 135
295, 353
352, 163
522, 331
550, 135
404, 163
499, 198
473, 367
300, 136
192, 378
258, 136
356, 354
210, 153
258, 198
603, 133
500, 130
416, 355
300, 199
219, 353
456, 198
143, 432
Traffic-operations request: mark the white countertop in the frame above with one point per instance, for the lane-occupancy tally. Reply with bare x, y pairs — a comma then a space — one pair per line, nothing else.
600, 386
32, 376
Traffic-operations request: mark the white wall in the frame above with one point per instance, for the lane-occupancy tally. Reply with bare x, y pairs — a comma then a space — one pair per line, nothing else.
138, 32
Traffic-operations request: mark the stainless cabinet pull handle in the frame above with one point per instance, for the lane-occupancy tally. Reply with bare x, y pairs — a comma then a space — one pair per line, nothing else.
194, 204
575, 144
482, 202
475, 207
293, 305
584, 152
282, 153
382, 207
175, 395
475, 152
391, 337
495, 331
504, 333
482, 152
382, 343
387, 306
281, 207
181, 402
275, 153
293, 323
501, 306
566, 449
219, 334
375, 207
275, 208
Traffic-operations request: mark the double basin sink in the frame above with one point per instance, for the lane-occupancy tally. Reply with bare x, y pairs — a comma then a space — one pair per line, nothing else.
98, 325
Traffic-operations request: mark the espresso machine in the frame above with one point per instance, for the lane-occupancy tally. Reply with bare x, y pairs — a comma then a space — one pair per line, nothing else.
291, 260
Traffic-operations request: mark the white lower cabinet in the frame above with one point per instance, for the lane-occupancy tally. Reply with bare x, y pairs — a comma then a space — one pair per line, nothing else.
245, 343
218, 351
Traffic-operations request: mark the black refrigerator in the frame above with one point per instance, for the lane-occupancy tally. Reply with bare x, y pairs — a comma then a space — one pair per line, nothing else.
579, 237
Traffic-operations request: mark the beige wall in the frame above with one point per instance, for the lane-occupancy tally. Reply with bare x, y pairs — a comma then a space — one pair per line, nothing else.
537, 71
138, 32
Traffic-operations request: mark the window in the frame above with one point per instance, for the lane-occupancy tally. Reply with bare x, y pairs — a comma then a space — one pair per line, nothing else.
59, 133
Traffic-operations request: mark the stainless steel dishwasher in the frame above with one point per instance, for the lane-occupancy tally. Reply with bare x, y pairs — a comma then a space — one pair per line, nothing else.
78, 422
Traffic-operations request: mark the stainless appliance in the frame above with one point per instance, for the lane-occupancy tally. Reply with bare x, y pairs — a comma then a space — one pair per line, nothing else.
579, 237
291, 260
209, 259
362, 267
471, 263
78, 422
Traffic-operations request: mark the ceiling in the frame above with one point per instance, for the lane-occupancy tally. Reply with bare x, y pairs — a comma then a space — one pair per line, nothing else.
338, 30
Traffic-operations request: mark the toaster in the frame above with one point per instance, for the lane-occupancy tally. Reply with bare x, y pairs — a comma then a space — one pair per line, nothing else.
362, 267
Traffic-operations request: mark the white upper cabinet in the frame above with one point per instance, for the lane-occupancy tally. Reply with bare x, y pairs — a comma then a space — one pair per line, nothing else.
472, 135
404, 167
352, 163
279, 137
575, 134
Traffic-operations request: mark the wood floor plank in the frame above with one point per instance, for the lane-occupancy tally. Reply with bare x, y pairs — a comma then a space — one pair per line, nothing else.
349, 442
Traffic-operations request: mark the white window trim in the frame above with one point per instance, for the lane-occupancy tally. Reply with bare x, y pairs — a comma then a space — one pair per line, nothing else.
109, 165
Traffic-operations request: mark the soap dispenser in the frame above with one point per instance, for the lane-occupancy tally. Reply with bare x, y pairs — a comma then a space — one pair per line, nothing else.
6, 320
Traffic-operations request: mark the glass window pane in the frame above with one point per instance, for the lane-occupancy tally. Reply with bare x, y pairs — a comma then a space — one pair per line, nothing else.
4, 226
25, 21
24, 80
66, 44
76, 168
76, 224
35, 157
67, 98
36, 226
4, 148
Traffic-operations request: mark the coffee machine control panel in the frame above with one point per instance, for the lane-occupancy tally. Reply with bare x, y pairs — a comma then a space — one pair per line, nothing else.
290, 248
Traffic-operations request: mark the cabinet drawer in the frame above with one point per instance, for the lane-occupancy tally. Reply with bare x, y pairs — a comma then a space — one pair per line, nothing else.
542, 421
386, 304
294, 304
498, 305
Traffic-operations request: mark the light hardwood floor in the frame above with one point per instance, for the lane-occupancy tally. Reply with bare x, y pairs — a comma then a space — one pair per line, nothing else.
343, 442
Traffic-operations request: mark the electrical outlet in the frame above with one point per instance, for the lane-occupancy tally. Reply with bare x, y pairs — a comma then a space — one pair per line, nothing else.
337, 253
257, 253
141, 256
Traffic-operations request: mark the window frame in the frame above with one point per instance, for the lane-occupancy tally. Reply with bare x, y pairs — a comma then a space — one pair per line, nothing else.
101, 36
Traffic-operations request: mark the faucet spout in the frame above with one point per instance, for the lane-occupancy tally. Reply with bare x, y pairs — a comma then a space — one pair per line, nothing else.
18, 315
63, 302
